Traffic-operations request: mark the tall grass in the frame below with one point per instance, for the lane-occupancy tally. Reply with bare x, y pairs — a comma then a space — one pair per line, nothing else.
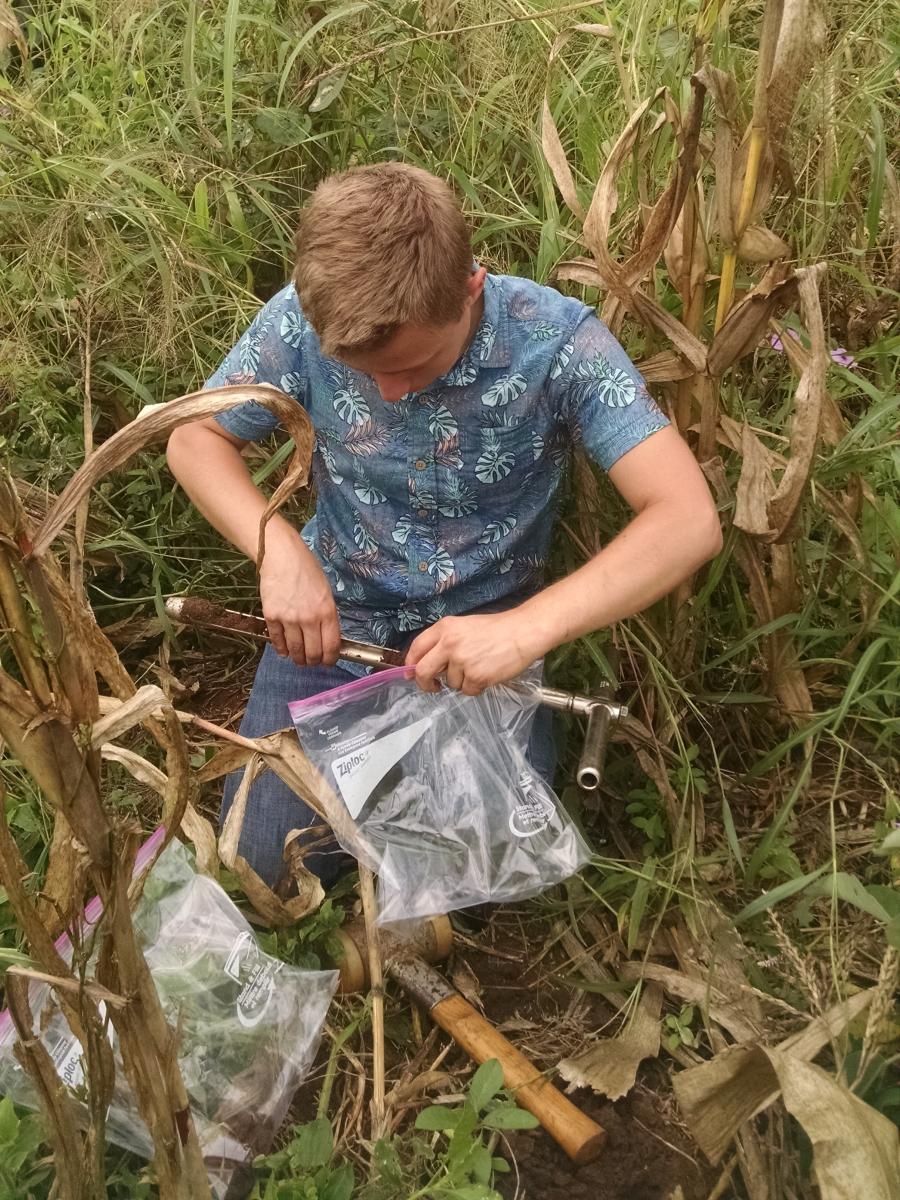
153, 159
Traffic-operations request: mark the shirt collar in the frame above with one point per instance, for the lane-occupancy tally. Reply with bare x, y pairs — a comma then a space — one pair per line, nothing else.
490, 344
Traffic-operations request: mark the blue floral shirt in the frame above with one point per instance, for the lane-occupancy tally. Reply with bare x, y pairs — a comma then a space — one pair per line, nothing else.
444, 502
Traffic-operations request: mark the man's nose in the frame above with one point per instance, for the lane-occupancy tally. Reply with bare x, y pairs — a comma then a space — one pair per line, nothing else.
392, 387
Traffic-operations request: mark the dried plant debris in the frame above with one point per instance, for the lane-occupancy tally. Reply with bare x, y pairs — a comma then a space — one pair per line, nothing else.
609, 1065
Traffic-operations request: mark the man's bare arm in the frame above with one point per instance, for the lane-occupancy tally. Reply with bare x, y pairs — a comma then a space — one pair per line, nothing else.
296, 599
675, 530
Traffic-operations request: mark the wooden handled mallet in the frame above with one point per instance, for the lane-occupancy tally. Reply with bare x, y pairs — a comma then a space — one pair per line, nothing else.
407, 961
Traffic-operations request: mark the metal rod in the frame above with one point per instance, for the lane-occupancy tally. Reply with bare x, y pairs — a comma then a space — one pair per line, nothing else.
600, 709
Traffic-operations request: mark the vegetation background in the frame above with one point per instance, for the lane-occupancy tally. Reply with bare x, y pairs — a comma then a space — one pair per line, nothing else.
152, 160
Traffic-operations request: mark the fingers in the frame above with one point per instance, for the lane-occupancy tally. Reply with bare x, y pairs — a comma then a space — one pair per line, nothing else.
423, 643
296, 648
331, 639
277, 638
429, 667
312, 643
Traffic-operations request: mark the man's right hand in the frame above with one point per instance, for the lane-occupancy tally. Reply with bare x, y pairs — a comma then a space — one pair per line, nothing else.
296, 600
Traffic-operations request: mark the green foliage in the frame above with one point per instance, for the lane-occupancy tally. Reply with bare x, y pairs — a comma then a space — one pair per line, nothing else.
22, 1168
459, 1165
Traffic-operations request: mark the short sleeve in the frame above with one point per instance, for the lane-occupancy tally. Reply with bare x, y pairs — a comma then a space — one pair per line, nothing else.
603, 397
270, 351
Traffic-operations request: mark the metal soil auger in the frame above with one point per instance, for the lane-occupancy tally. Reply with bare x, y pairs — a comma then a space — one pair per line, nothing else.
600, 709
406, 960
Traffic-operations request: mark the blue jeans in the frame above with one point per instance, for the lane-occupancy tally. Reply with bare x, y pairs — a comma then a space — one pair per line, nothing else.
273, 810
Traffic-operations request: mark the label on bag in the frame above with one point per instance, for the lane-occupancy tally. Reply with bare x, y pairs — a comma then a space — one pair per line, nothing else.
359, 771
533, 813
255, 971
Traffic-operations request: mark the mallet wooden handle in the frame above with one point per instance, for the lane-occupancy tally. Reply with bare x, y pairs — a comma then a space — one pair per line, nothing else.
580, 1137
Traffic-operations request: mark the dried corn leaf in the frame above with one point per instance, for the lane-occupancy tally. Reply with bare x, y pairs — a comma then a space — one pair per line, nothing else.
11, 30
747, 321
146, 701
808, 403
275, 912
550, 139
801, 35
234, 822
701, 992
856, 1150
754, 486
718, 1096
200, 832
136, 766
723, 89
609, 1066
596, 237
158, 420
664, 367
760, 245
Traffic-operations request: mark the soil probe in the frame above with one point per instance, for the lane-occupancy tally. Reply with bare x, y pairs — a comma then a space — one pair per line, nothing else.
600, 709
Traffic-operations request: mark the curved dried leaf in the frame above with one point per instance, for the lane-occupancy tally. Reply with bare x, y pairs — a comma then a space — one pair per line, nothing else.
760, 245
550, 139
158, 420
718, 1096
609, 1065
665, 367
754, 486
234, 822
10, 30
808, 402
747, 321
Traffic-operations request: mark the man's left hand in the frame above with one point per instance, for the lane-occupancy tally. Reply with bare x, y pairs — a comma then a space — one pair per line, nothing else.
475, 652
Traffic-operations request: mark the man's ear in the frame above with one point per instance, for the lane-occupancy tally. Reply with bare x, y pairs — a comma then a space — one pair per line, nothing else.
475, 285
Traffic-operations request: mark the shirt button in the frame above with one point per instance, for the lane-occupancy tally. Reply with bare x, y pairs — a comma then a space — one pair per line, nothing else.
423, 400
423, 566
420, 464
423, 513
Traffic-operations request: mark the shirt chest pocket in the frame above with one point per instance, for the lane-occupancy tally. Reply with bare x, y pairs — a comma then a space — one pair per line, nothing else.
498, 457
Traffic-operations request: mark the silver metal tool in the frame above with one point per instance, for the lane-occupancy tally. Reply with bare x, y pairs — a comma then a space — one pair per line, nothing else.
600, 709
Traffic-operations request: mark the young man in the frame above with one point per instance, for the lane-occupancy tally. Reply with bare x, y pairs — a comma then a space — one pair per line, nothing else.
446, 403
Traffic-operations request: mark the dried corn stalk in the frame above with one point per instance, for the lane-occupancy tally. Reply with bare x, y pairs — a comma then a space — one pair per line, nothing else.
53, 722
674, 227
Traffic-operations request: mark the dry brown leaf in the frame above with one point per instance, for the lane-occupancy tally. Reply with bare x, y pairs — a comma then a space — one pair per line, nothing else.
619, 280
550, 140
609, 1066
276, 913
701, 992
746, 322
664, 367
754, 486
201, 834
808, 402
801, 35
11, 30
760, 245
136, 766
723, 89
158, 420
718, 1096
146, 701
234, 822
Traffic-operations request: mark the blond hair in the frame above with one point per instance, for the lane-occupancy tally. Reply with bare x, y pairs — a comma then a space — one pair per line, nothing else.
377, 247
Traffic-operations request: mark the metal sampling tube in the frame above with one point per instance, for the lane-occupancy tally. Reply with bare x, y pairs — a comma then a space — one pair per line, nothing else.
600, 710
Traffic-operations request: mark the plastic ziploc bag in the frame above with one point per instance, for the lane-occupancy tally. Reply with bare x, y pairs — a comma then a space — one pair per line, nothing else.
248, 1025
444, 805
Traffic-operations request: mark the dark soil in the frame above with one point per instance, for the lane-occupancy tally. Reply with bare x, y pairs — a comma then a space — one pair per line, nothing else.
648, 1154
636, 1163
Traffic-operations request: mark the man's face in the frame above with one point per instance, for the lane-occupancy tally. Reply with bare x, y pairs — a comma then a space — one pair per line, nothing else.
418, 354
